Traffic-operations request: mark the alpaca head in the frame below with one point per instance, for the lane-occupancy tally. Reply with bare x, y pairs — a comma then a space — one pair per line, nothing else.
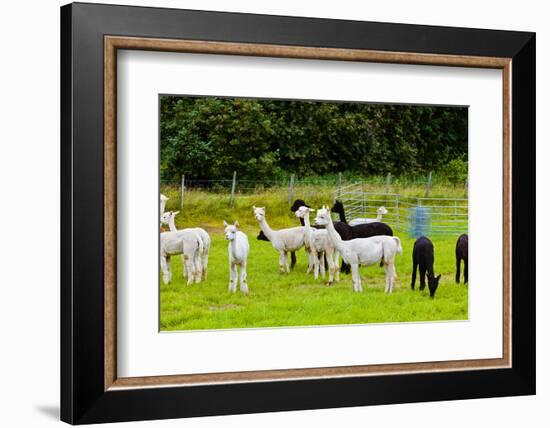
433, 283
323, 216
259, 213
338, 207
297, 204
163, 198
382, 211
303, 212
168, 216
230, 230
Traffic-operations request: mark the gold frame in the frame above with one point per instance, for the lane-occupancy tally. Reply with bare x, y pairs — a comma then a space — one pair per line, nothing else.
113, 43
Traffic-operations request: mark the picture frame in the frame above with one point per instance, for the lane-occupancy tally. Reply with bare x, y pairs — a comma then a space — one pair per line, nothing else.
91, 391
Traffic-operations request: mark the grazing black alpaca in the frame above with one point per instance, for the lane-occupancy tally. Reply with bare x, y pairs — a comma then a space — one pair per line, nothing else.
423, 258
462, 254
365, 230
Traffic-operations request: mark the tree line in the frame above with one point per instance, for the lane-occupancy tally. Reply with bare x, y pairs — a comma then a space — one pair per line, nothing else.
208, 138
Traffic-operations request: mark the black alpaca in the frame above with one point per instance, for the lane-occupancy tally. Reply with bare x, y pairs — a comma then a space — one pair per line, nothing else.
423, 258
348, 232
462, 254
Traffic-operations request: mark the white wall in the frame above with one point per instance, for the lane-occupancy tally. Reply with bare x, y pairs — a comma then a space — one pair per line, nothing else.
29, 165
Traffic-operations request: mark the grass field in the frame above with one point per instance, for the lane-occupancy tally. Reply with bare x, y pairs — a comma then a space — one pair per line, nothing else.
295, 299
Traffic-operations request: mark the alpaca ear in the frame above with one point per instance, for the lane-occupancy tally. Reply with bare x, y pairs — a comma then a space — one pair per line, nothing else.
176, 212
236, 224
438, 277
253, 207
225, 224
310, 210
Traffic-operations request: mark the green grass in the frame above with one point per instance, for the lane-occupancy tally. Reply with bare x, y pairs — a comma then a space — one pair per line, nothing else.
296, 299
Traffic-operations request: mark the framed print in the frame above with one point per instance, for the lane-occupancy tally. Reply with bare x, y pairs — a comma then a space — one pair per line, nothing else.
336, 201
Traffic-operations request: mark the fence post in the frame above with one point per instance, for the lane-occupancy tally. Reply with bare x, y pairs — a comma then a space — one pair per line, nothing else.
396, 211
231, 199
182, 191
291, 189
428, 184
466, 187
388, 182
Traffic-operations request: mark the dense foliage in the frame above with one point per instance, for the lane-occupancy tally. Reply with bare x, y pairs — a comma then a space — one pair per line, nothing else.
265, 139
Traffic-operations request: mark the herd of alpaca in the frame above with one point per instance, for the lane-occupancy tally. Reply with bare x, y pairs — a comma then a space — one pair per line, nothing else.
362, 242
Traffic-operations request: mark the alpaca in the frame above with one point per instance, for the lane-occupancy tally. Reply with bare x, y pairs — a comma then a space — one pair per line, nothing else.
461, 253
348, 232
283, 240
363, 251
237, 250
189, 245
169, 217
423, 258
362, 220
298, 203
321, 248
261, 236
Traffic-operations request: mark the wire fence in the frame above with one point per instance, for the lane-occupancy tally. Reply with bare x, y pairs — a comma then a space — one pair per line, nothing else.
410, 209
431, 216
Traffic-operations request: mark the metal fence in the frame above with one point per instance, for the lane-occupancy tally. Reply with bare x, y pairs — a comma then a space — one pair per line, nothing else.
432, 216
413, 215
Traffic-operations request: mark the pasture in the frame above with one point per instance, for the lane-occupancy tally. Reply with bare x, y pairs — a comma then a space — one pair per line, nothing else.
295, 299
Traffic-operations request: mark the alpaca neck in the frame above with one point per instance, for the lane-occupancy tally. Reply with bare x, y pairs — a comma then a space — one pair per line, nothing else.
172, 225
379, 217
342, 216
307, 225
332, 234
268, 232
233, 245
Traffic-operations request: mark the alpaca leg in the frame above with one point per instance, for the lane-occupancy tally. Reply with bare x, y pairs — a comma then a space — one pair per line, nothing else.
457, 276
190, 269
287, 264
322, 262
244, 286
281, 262
234, 277
329, 256
422, 278
198, 267
292, 259
205, 266
231, 276
310, 264
389, 269
336, 266
315, 264
166, 274
356, 278
465, 271
413, 280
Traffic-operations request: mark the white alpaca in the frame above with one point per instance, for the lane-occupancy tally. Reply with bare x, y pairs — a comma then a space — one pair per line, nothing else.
163, 200
237, 250
187, 243
169, 217
380, 211
283, 240
363, 251
321, 247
